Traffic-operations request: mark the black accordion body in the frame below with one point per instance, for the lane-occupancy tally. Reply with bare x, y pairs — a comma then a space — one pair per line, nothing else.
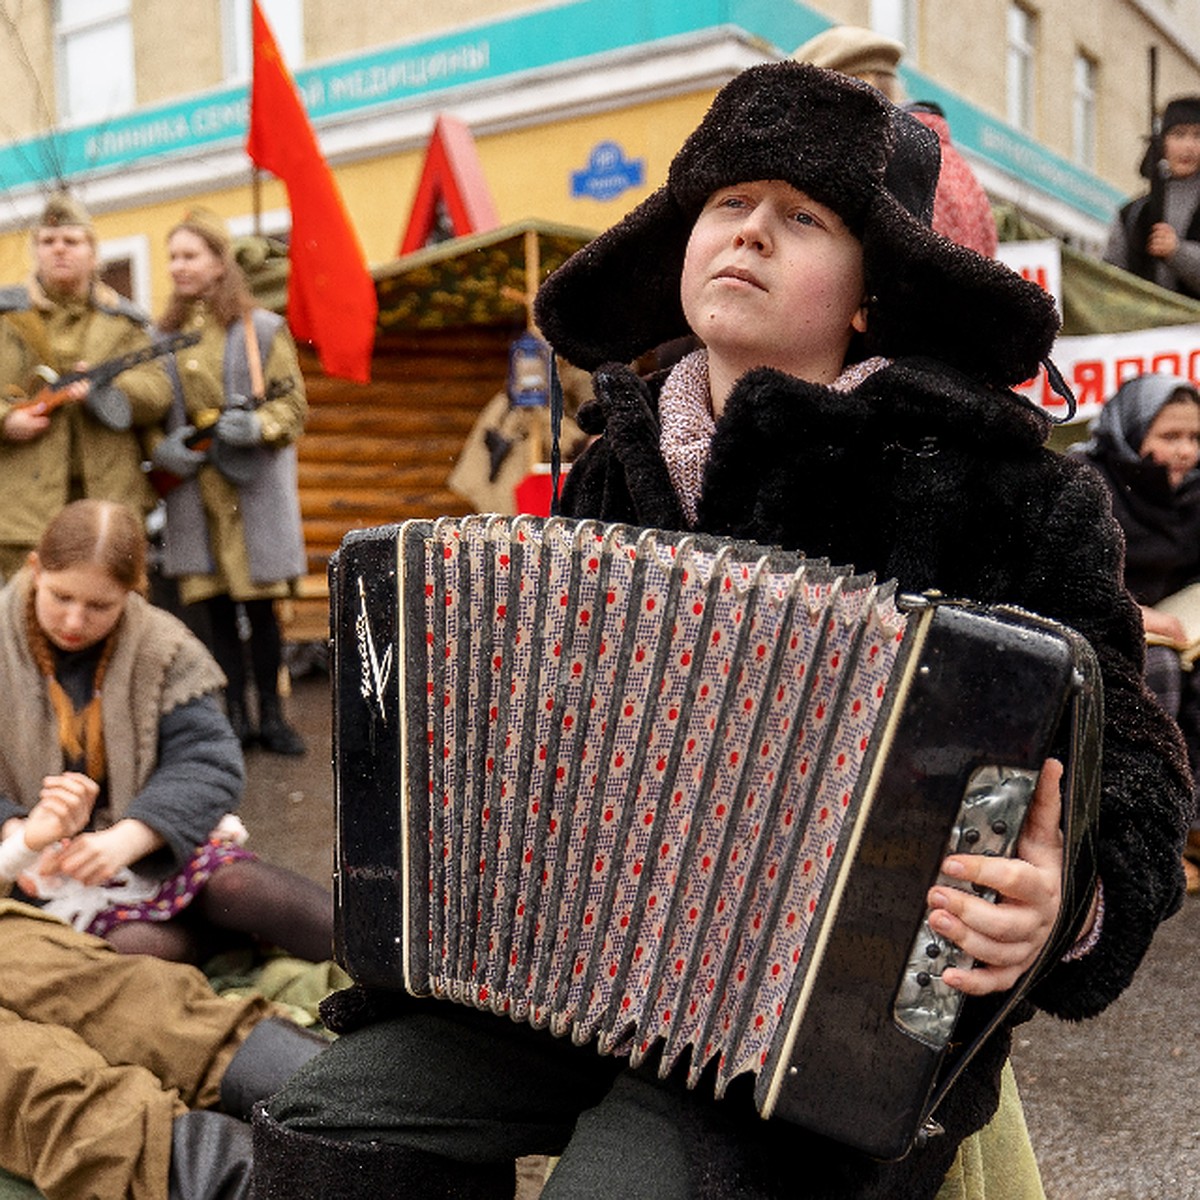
677, 795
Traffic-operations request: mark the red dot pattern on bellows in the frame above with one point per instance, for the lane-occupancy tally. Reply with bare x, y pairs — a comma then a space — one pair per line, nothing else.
693, 713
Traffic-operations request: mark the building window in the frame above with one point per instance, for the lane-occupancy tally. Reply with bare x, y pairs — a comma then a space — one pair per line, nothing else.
897, 19
124, 264
1083, 113
1021, 34
93, 42
286, 19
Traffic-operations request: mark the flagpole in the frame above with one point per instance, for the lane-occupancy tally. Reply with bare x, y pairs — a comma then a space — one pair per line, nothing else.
255, 170
331, 295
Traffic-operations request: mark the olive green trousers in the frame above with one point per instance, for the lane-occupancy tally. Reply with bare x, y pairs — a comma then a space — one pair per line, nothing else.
99, 1052
997, 1163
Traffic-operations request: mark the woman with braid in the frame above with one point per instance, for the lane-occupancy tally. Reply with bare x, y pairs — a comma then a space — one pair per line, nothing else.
119, 704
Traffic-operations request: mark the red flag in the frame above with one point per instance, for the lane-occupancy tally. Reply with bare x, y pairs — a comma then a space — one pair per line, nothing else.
331, 296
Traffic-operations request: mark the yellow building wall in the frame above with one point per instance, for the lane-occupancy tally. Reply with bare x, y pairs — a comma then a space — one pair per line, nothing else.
528, 172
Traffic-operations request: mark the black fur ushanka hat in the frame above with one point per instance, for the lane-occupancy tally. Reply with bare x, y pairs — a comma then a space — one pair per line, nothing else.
840, 142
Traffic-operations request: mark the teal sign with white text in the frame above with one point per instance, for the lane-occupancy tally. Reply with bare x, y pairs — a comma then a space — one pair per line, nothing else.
572, 31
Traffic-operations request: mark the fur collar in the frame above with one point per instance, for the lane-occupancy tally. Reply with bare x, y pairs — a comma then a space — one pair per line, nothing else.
904, 399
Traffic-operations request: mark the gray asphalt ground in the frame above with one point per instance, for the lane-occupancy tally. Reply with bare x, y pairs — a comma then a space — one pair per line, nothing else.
1109, 1102
1112, 1102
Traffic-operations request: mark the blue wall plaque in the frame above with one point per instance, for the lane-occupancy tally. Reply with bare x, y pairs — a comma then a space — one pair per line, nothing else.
608, 173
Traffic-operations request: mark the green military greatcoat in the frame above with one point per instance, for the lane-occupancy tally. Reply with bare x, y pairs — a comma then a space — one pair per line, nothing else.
77, 456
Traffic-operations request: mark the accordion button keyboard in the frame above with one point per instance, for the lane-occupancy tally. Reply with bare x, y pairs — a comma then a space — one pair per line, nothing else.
989, 823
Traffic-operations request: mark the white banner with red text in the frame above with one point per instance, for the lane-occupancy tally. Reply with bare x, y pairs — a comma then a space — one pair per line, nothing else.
1095, 365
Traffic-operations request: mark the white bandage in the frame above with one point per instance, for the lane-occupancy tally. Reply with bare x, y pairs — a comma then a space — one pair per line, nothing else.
15, 856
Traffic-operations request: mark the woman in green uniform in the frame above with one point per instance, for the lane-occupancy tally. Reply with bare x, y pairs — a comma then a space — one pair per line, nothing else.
233, 534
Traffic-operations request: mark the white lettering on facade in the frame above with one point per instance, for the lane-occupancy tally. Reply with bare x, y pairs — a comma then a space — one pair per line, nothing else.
382, 80
158, 134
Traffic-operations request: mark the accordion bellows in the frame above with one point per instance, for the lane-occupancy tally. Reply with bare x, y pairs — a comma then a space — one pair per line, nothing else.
673, 751
630, 777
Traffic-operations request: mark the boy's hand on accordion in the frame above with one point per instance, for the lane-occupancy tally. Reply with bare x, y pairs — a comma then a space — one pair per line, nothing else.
1006, 937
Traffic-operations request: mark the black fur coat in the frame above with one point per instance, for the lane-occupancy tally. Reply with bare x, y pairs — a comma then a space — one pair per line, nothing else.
923, 475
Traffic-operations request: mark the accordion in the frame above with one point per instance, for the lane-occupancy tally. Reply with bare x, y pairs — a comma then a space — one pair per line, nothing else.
683, 796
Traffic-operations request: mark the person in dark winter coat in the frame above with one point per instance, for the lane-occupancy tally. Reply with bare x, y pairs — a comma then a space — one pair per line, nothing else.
1146, 445
850, 400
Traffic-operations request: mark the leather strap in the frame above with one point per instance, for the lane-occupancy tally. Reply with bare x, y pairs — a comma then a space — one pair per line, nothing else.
253, 358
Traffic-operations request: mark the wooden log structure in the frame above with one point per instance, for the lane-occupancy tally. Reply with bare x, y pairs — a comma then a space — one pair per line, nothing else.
382, 452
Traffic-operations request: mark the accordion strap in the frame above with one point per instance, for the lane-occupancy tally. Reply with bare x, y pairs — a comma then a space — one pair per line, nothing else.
556, 420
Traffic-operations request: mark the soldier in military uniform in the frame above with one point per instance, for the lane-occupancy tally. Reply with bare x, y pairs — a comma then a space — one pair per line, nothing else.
61, 318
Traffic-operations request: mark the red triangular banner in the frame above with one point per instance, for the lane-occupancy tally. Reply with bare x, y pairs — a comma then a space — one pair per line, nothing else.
453, 175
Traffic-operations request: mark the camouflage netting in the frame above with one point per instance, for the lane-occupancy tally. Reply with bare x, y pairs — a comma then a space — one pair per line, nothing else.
1098, 297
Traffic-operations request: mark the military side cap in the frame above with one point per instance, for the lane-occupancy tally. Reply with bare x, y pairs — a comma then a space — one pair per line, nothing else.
209, 225
63, 209
851, 50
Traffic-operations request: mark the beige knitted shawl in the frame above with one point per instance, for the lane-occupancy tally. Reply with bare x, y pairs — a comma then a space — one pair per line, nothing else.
157, 665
